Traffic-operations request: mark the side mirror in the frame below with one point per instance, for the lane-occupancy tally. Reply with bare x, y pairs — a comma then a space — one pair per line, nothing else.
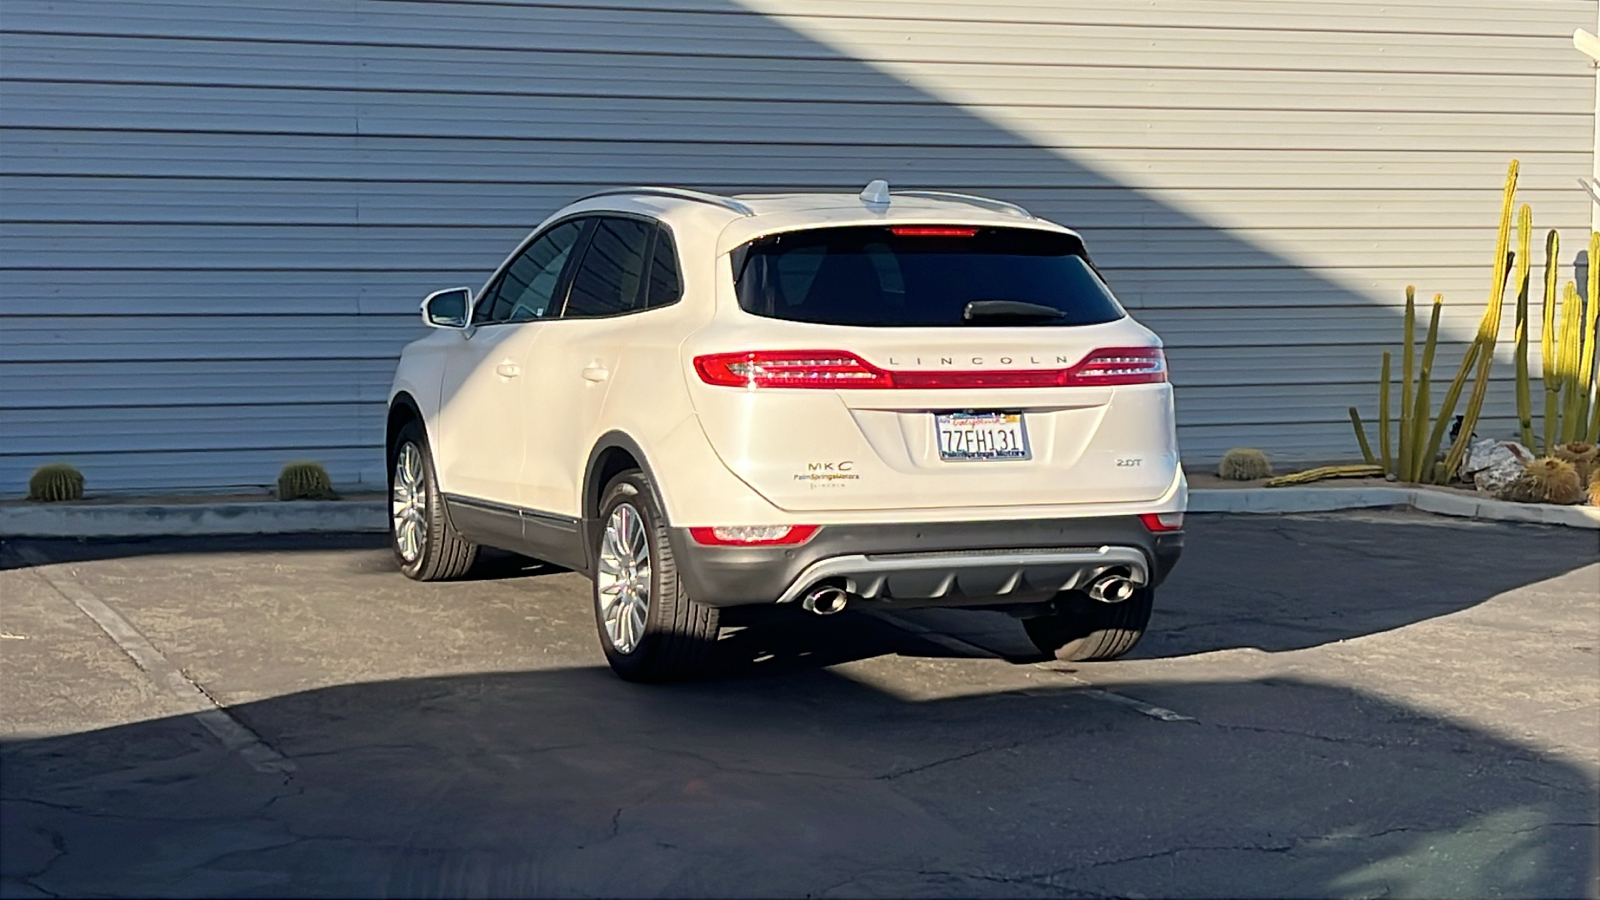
447, 308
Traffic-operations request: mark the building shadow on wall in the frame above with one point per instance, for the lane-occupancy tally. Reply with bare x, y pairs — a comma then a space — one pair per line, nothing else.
800, 115
373, 151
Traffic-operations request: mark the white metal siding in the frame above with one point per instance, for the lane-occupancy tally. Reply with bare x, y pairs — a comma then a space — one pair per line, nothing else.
216, 218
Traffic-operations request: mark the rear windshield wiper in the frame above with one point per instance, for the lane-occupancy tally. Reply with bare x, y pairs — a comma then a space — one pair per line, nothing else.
979, 310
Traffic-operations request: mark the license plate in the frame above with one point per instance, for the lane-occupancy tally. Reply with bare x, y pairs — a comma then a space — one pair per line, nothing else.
981, 435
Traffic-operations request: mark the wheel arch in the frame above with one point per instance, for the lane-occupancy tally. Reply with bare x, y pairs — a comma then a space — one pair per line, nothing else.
614, 453
403, 408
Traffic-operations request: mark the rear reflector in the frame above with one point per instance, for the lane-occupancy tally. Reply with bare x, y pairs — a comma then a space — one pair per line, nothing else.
931, 231
752, 535
835, 369
1158, 522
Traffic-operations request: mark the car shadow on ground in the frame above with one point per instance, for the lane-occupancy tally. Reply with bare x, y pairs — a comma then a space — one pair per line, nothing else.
813, 782
1273, 583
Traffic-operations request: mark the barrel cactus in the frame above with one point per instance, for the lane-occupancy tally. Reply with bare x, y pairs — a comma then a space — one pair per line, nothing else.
1547, 480
1582, 456
1244, 464
305, 480
54, 483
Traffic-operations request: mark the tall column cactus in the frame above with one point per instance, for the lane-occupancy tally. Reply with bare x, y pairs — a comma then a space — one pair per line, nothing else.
1567, 358
1383, 417
1586, 401
1481, 352
1568, 347
1415, 468
1488, 335
1408, 352
1547, 341
1524, 396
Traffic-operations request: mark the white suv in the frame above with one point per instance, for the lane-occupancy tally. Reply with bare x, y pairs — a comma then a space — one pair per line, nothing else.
881, 400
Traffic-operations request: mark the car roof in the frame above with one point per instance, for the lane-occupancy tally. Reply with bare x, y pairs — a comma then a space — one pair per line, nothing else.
744, 217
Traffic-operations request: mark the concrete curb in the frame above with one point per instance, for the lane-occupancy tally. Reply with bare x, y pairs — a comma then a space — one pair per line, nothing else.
272, 517
186, 519
1444, 503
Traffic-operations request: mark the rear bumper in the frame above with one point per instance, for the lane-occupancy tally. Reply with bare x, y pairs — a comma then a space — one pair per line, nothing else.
925, 564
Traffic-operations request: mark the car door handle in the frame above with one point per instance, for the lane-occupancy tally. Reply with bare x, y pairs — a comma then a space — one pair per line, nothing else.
596, 373
508, 370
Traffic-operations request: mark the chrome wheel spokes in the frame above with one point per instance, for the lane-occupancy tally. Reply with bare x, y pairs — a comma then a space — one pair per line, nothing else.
408, 504
623, 578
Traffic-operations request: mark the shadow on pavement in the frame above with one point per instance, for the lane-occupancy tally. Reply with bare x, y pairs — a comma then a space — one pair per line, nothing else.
492, 564
1281, 583
814, 783
1275, 583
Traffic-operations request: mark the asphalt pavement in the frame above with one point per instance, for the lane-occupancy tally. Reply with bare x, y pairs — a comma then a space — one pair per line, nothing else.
1378, 704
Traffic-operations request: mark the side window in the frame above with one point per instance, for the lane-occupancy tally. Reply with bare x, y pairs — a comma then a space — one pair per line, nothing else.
665, 286
528, 285
610, 278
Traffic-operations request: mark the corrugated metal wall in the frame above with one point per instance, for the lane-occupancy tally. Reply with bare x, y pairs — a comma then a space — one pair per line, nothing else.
216, 218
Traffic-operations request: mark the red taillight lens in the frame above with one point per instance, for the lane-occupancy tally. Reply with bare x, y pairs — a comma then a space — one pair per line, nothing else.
752, 535
834, 369
1119, 365
931, 231
791, 368
1159, 522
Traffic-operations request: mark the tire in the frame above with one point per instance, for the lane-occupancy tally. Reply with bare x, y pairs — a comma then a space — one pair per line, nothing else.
1084, 630
425, 546
663, 635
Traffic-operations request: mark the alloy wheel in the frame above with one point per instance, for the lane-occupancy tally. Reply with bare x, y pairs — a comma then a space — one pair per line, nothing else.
408, 504
623, 578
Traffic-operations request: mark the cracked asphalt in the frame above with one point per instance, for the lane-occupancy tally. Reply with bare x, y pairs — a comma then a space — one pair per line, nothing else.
1382, 704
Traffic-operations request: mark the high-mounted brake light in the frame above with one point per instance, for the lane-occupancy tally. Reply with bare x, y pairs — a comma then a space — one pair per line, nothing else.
1158, 522
838, 369
752, 535
931, 231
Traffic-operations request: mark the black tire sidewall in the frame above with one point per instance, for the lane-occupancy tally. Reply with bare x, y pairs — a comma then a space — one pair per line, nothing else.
634, 489
411, 434
1083, 626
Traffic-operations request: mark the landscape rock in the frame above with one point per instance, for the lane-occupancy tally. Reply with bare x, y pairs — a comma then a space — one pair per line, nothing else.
1492, 466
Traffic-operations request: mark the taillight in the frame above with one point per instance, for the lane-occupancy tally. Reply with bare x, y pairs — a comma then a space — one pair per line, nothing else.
791, 368
834, 369
1158, 522
1119, 365
752, 535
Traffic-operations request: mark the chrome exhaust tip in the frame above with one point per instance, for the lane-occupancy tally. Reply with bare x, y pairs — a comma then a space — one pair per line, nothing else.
825, 601
1112, 588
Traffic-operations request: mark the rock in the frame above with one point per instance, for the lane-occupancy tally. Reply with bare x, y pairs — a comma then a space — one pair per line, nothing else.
1493, 465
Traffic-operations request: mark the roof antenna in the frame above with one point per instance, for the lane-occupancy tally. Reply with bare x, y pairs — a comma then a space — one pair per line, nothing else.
876, 192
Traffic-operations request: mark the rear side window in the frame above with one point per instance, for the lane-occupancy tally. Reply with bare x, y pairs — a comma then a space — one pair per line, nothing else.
665, 286
922, 276
610, 280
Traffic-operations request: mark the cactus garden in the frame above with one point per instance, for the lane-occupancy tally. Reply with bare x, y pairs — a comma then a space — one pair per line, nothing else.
1551, 456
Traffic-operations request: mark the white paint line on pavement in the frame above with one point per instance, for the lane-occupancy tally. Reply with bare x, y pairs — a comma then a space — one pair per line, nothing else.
1149, 709
233, 734
1086, 689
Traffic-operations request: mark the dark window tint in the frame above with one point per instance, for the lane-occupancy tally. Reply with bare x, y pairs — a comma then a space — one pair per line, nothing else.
529, 284
609, 280
873, 276
665, 286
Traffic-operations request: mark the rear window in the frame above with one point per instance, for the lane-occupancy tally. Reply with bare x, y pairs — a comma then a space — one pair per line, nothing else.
922, 276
